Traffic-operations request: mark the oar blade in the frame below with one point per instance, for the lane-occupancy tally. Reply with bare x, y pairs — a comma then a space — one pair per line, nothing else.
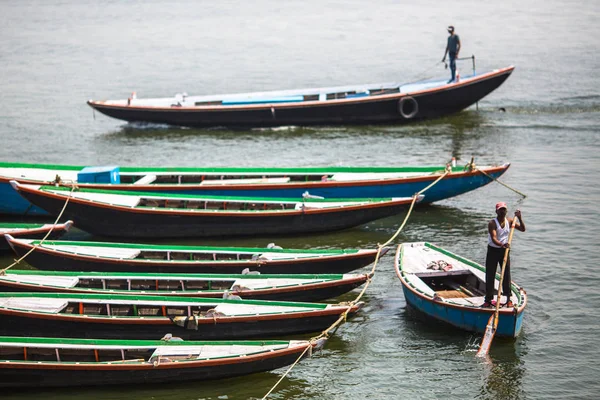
488, 337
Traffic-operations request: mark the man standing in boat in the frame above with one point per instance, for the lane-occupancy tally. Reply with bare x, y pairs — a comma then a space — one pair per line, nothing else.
452, 50
498, 231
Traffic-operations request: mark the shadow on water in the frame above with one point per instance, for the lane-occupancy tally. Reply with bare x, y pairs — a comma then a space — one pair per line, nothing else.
253, 386
504, 371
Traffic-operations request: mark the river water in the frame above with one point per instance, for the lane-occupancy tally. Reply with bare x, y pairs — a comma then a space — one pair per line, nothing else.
56, 54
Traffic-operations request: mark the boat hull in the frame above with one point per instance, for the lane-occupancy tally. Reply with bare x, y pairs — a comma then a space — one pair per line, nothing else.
36, 375
35, 233
466, 318
431, 103
45, 259
452, 185
105, 220
24, 323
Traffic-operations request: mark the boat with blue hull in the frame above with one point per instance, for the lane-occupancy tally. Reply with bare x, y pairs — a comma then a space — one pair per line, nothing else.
390, 102
328, 182
451, 289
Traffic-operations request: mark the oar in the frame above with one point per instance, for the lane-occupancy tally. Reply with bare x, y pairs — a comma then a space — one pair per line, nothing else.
490, 329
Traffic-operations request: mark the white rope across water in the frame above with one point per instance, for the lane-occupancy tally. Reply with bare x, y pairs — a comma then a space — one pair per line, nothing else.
344, 315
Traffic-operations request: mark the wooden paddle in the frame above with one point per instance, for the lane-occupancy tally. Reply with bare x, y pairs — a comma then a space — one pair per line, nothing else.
490, 329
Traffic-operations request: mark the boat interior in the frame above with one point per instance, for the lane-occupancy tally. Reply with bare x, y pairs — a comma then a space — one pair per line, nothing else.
89, 353
41, 354
454, 284
214, 204
149, 285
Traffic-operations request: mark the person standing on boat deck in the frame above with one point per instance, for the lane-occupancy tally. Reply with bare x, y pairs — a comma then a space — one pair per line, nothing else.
452, 49
498, 230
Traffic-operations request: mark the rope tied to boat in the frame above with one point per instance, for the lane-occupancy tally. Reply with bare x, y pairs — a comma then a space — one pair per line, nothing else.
3, 271
350, 305
500, 182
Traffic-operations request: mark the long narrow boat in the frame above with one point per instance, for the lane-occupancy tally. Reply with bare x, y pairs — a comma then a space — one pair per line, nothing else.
31, 230
248, 286
359, 104
127, 257
328, 182
143, 215
35, 362
150, 317
450, 288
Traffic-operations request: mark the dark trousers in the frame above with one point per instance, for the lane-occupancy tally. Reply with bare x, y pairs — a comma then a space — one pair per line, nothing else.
494, 258
452, 58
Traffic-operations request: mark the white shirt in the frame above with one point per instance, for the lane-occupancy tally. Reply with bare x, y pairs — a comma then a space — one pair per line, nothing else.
501, 233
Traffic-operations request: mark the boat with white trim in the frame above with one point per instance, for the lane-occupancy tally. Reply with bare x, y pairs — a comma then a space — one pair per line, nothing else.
328, 182
290, 287
31, 230
450, 288
110, 316
153, 215
39, 362
390, 102
64, 255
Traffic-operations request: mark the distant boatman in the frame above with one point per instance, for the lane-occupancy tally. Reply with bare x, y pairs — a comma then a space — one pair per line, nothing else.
452, 49
498, 230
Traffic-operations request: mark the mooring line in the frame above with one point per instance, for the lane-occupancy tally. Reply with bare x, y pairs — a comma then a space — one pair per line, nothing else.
3, 271
344, 315
500, 182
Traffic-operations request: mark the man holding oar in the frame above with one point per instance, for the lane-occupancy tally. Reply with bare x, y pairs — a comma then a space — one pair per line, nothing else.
498, 232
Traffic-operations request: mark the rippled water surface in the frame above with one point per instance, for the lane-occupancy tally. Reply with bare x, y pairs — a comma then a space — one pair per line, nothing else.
54, 55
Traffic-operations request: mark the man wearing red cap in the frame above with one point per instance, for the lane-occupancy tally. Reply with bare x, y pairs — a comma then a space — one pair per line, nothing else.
498, 230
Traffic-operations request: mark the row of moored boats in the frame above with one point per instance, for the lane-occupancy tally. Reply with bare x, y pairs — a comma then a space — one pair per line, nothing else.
111, 312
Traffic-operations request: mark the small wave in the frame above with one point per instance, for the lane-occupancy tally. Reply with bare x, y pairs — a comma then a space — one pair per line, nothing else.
149, 126
586, 97
278, 128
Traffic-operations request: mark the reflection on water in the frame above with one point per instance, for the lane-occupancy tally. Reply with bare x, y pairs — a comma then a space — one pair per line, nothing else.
504, 370
250, 387
459, 123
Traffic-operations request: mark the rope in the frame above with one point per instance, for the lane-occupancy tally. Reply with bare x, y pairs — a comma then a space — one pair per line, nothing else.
421, 75
474, 168
3, 271
344, 315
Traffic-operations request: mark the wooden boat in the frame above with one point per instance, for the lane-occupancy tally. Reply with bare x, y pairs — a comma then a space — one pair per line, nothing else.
150, 317
31, 230
359, 104
328, 182
126, 257
450, 288
248, 286
35, 362
151, 215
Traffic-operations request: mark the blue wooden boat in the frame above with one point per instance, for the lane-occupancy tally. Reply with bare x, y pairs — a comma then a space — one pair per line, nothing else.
329, 182
450, 288
390, 102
